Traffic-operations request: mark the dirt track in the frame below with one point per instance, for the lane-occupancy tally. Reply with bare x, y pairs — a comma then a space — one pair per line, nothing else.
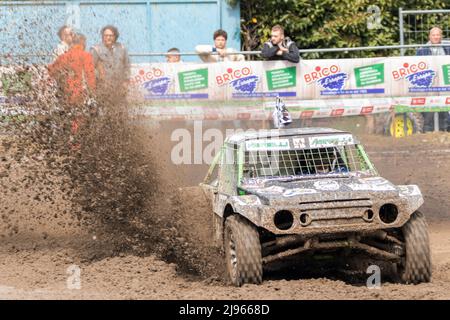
38, 245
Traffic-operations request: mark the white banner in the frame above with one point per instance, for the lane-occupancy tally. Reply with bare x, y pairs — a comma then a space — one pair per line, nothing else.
310, 89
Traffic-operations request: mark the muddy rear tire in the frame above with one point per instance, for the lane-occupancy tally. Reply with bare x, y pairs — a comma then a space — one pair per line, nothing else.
416, 265
242, 251
395, 126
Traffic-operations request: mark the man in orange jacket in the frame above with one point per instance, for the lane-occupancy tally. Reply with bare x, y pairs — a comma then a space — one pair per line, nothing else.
75, 69
75, 72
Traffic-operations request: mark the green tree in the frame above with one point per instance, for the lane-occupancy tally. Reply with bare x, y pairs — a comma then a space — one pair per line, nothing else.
334, 23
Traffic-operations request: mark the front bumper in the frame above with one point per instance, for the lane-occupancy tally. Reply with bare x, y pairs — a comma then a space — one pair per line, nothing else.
335, 217
329, 213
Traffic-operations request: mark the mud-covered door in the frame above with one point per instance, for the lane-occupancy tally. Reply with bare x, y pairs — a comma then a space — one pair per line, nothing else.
211, 181
228, 171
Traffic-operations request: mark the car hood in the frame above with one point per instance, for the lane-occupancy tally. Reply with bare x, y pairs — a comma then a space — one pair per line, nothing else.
324, 189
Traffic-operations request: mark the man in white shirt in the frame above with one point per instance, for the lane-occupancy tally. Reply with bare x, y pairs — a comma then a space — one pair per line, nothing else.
65, 34
218, 52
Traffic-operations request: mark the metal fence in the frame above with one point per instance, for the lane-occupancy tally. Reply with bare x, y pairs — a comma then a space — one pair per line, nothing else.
30, 26
418, 24
395, 50
416, 30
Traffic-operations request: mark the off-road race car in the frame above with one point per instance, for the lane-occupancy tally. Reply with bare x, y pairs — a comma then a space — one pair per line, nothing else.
285, 192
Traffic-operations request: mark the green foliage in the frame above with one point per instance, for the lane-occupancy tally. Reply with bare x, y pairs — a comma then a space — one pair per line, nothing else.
333, 23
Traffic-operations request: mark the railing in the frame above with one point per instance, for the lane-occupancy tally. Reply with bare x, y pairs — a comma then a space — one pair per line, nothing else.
302, 51
445, 42
254, 53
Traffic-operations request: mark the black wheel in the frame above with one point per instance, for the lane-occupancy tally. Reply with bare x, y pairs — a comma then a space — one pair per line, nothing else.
242, 251
416, 264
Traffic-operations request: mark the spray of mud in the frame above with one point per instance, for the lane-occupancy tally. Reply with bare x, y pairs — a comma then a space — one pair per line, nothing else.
106, 177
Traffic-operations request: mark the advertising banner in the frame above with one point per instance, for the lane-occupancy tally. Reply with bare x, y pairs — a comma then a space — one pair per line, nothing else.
310, 88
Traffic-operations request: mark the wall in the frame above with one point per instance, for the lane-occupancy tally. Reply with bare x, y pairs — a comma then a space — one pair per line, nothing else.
29, 27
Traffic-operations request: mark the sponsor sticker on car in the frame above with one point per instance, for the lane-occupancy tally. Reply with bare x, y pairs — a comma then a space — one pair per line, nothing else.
267, 144
331, 141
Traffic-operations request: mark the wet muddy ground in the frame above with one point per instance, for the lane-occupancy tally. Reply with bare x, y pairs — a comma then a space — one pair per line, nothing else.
166, 255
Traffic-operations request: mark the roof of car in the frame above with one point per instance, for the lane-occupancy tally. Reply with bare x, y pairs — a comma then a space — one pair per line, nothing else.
273, 133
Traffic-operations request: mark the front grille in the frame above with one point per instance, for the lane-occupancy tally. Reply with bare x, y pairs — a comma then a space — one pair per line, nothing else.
336, 204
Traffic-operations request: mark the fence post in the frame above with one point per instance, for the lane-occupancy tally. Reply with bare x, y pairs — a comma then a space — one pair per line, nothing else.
400, 19
405, 124
436, 121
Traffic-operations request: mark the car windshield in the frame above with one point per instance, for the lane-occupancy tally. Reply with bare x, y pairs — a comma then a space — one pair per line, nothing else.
315, 162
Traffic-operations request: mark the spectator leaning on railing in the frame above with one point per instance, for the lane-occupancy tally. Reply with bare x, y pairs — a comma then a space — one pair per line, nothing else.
435, 37
218, 52
173, 55
280, 47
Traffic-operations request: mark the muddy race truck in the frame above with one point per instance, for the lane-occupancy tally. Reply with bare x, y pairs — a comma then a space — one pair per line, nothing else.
286, 192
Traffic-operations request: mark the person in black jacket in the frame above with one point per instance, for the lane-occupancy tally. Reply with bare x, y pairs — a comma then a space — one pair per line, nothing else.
280, 47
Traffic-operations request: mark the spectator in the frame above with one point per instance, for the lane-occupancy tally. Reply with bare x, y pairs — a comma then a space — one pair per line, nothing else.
218, 52
280, 47
65, 34
173, 55
76, 68
434, 37
112, 66
75, 71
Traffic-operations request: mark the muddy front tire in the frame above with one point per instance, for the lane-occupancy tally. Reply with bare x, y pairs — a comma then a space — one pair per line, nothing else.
242, 251
416, 265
